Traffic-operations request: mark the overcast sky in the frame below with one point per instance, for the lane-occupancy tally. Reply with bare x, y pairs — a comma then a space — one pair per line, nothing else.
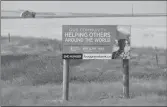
88, 6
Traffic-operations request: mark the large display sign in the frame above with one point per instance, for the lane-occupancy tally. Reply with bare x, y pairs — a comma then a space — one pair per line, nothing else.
88, 41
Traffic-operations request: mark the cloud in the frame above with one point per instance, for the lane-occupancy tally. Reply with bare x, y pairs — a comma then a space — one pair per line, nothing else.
124, 29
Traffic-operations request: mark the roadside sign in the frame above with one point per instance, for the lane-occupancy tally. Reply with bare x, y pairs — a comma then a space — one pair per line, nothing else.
90, 41
94, 42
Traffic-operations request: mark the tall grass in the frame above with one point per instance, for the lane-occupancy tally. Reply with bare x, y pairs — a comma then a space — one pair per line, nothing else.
142, 92
42, 69
95, 82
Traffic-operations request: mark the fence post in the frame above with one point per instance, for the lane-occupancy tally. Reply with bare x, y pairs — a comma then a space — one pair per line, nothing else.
125, 78
0, 57
156, 56
9, 36
65, 79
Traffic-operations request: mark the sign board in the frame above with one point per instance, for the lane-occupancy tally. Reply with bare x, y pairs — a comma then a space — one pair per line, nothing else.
88, 41
94, 42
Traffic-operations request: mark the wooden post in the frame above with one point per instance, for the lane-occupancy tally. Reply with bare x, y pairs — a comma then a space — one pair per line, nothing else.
65, 79
9, 36
0, 57
156, 55
125, 77
166, 57
157, 60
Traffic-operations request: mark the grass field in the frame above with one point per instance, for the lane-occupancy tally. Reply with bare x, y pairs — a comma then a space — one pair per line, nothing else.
35, 78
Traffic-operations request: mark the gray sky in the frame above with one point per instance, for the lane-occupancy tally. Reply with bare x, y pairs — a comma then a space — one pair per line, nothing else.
87, 6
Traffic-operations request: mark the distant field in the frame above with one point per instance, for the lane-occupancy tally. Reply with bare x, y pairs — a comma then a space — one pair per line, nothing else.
35, 77
28, 45
52, 28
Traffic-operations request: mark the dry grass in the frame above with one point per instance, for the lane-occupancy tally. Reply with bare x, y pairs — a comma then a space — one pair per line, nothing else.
142, 93
36, 80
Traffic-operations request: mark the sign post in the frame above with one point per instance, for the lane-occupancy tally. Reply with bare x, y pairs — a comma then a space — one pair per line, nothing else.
65, 79
125, 51
125, 55
125, 77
